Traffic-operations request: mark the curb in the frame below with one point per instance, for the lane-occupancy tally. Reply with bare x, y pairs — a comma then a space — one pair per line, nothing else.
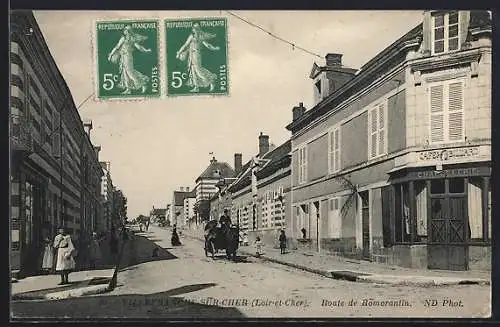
89, 290
421, 281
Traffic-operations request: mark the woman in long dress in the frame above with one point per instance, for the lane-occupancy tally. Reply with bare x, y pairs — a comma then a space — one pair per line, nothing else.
130, 78
48, 255
198, 76
175, 238
65, 249
95, 251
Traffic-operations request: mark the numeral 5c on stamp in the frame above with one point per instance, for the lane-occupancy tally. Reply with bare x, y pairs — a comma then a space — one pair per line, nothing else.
127, 59
196, 56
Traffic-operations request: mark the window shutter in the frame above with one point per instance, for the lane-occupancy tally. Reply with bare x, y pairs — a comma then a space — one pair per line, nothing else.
381, 129
387, 225
437, 114
373, 132
455, 108
337, 149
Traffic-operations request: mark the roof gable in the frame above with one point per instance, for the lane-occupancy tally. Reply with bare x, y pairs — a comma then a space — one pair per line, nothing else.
217, 170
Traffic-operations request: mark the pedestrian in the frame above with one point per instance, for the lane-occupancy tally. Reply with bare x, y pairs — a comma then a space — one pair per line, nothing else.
65, 252
282, 240
258, 245
95, 251
48, 254
113, 244
175, 237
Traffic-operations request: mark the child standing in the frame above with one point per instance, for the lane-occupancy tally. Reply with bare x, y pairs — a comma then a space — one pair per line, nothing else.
282, 240
258, 245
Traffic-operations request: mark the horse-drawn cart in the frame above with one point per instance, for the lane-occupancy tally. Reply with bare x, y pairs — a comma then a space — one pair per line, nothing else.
221, 238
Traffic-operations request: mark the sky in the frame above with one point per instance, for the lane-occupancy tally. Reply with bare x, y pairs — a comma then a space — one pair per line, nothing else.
156, 146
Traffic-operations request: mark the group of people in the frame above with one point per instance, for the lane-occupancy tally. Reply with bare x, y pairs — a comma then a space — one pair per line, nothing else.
60, 255
281, 239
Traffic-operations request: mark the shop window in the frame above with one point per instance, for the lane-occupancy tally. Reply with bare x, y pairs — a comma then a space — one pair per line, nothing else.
421, 210
403, 224
437, 186
456, 185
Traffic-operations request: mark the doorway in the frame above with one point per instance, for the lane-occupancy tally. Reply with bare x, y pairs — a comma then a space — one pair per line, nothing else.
365, 223
448, 215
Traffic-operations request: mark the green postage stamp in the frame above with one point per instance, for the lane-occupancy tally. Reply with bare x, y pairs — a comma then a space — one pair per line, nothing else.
196, 56
127, 59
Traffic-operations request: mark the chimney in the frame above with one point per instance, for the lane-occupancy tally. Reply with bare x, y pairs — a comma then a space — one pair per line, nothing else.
87, 126
213, 160
182, 189
333, 59
238, 163
263, 144
298, 111
97, 149
187, 188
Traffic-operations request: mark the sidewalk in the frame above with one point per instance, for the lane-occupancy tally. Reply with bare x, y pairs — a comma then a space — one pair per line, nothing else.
361, 271
46, 286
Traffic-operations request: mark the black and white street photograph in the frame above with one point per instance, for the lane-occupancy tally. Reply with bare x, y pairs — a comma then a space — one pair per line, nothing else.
239, 164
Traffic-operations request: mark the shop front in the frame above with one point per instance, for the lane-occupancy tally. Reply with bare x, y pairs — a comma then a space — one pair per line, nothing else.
445, 211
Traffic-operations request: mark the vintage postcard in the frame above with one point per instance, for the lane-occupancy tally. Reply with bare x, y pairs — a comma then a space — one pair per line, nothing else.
196, 52
127, 59
345, 172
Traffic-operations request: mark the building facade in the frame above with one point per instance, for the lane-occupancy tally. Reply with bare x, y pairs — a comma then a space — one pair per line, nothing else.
47, 147
189, 213
206, 187
260, 194
107, 197
178, 209
393, 164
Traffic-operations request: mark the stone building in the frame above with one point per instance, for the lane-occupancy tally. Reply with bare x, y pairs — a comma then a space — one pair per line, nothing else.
48, 145
206, 187
392, 164
107, 197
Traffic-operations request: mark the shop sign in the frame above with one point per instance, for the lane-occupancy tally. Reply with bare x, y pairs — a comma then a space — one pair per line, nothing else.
457, 172
449, 154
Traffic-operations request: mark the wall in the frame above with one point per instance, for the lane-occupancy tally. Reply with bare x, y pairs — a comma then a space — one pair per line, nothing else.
354, 135
396, 125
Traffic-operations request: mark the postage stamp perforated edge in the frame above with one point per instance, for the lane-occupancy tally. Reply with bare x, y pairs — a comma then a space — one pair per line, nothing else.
95, 61
228, 69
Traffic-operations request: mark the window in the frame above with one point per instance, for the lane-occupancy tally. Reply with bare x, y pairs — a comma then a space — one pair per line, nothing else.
447, 112
334, 150
445, 32
403, 224
334, 218
303, 164
377, 131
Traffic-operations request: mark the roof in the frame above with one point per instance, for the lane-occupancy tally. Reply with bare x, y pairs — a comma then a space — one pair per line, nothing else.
179, 197
279, 157
357, 83
223, 168
478, 19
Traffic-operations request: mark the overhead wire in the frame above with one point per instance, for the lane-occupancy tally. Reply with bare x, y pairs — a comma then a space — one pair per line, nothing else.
294, 46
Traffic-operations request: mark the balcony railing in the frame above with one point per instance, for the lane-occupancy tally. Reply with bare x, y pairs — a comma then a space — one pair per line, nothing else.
21, 135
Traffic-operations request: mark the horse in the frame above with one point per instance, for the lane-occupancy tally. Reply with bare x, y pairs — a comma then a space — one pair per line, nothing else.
217, 238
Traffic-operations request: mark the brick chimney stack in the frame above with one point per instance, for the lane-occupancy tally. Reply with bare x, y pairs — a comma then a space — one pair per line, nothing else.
88, 127
298, 111
333, 59
187, 188
263, 144
238, 163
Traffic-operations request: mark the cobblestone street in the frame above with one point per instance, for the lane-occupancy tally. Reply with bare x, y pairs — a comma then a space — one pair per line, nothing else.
183, 283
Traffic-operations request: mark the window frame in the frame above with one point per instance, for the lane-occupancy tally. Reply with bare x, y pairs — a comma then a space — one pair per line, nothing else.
334, 154
446, 110
446, 37
376, 107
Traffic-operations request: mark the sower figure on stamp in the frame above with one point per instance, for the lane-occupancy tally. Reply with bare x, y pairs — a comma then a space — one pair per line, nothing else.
198, 76
122, 53
65, 250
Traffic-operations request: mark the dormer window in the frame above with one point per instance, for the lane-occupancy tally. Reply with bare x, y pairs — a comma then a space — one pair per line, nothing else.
318, 86
445, 32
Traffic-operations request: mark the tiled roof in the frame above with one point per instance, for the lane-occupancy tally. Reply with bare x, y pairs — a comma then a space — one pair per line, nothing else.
180, 196
223, 168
